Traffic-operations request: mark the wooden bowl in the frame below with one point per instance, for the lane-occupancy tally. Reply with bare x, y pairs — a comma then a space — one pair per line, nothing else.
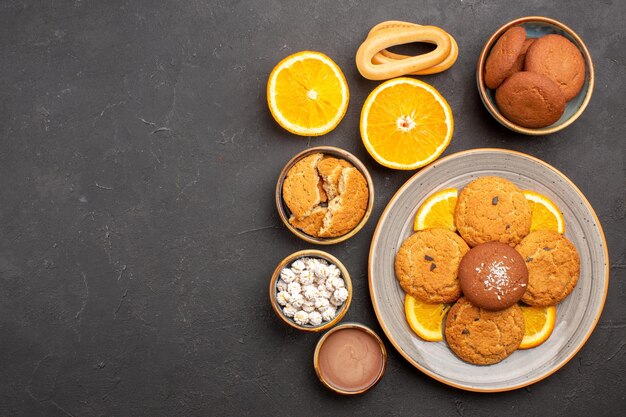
310, 253
367, 330
284, 212
537, 26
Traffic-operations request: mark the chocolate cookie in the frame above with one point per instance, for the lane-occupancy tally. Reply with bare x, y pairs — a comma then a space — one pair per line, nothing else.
553, 267
492, 208
493, 276
530, 99
502, 58
427, 265
558, 58
483, 337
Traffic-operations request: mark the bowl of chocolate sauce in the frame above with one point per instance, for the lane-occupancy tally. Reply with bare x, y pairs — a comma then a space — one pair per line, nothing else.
350, 359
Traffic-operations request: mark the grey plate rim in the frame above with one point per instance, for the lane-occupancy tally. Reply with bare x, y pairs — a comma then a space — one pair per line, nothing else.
377, 232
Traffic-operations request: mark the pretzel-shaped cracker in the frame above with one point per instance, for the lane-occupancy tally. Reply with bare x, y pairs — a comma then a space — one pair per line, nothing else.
384, 56
375, 65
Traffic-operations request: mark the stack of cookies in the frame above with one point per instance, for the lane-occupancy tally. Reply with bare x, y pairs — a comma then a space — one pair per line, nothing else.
534, 78
488, 268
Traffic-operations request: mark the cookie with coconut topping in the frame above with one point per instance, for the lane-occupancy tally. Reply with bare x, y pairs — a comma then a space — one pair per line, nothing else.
493, 276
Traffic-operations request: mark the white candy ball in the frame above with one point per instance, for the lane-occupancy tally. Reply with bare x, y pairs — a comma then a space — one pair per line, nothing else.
315, 318
283, 298
289, 310
301, 317
287, 275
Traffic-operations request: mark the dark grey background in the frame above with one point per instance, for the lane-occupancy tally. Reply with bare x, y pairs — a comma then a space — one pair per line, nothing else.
138, 231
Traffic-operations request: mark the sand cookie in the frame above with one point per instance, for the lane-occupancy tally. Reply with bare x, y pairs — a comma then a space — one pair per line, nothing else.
300, 189
530, 99
330, 170
483, 337
427, 265
553, 267
559, 59
346, 210
312, 223
501, 62
327, 196
493, 276
492, 208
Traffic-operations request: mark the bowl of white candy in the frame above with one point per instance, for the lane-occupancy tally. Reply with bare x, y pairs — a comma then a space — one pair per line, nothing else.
310, 290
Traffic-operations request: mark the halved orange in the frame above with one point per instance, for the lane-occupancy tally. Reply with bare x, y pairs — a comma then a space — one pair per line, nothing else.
545, 214
307, 93
437, 211
539, 322
425, 319
406, 123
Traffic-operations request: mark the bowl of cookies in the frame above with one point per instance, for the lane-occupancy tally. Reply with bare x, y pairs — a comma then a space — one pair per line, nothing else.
535, 75
324, 195
310, 290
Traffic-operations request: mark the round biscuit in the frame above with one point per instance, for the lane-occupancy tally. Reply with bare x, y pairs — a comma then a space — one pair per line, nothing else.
427, 265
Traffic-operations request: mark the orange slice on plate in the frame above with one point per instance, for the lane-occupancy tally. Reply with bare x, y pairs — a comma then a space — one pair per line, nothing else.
437, 211
307, 93
425, 319
539, 323
406, 123
545, 214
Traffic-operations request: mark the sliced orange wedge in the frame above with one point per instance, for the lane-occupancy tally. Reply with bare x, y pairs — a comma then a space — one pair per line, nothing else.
406, 123
437, 211
545, 214
539, 322
425, 319
307, 93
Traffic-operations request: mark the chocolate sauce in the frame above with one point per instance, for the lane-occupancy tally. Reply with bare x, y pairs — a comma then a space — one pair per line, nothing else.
350, 359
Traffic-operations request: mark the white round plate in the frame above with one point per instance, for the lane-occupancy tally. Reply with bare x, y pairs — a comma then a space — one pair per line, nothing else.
577, 315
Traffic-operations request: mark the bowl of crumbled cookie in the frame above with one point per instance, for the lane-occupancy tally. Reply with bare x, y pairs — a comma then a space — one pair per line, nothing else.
310, 290
324, 195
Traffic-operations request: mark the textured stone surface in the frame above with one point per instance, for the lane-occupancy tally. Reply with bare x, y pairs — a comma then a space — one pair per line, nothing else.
138, 231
